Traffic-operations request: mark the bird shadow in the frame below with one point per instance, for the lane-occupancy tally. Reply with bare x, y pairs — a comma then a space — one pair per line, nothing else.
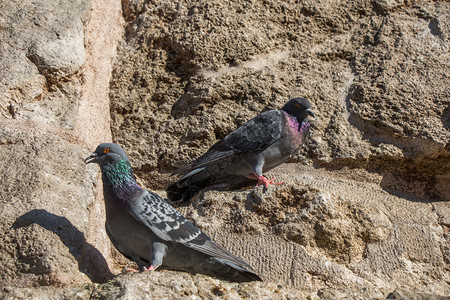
229, 184
90, 261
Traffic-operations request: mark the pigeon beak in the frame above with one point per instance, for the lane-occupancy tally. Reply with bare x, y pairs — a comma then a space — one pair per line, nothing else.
91, 158
309, 112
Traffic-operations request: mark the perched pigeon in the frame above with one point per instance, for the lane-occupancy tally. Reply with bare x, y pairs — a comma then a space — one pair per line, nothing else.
259, 145
146, 229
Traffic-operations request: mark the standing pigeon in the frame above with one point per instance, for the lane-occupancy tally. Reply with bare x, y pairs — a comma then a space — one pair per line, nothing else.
146, 229
259, 145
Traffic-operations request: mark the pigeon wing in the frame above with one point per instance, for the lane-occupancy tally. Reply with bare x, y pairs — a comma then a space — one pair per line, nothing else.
218, 152
169, 225
255, 135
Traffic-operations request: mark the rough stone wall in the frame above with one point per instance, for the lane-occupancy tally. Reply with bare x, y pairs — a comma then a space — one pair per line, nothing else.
365, 210
376, 72
51, 58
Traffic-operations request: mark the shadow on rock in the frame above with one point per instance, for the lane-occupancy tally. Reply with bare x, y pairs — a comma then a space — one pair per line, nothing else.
446, 118
229, 184
187, 105
400, 177
90, 261
414, 191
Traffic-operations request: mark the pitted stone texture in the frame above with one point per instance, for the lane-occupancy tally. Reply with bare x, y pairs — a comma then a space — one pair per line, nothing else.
46, 194
41, 58
376, 73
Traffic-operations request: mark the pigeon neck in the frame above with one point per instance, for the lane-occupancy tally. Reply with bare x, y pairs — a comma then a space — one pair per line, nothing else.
119, 180
298, 123
299, 129
304, 127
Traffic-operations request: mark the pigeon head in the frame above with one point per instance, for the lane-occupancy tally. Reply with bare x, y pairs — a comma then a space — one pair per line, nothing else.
299, 108
107, 153
117, 174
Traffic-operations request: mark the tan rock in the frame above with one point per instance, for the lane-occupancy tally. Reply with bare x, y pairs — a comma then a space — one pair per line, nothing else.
361, 215
49, 212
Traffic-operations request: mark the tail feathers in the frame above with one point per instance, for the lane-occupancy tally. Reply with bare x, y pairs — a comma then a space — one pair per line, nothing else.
189, 185
246, 276
233, 272
177, 194
183, 169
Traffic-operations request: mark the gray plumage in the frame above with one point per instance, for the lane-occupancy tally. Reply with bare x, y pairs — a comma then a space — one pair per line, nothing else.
146, 229
259, 145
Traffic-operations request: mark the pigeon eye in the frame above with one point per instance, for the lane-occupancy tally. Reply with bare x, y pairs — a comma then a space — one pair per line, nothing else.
106, 150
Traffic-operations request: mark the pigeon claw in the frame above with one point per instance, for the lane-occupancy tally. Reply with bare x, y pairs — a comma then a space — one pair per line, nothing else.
126, 269
151, 268
266, 182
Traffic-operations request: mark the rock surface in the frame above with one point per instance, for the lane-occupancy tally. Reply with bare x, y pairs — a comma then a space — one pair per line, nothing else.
377, 80
49, 212
42, 54
365, 211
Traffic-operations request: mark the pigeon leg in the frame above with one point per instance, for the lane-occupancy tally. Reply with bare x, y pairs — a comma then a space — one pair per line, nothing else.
159, 251
257, 174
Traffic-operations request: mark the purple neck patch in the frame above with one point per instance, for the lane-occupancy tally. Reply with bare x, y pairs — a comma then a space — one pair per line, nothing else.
119, 180
297, 131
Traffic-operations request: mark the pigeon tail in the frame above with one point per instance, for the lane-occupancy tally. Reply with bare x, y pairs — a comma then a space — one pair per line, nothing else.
222, 268
189, 185
246, 276
239, 276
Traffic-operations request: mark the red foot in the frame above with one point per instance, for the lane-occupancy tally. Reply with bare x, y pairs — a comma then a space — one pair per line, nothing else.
151, 268
126, 269
267, 182
264, 181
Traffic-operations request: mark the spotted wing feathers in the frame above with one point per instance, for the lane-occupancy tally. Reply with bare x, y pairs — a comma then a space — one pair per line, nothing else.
169, 225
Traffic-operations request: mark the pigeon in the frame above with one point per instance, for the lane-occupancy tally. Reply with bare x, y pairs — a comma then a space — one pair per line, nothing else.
149, 231
257, 146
